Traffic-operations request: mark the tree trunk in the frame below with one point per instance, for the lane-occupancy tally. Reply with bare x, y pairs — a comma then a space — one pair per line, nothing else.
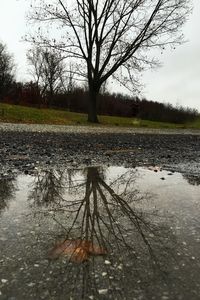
92, 106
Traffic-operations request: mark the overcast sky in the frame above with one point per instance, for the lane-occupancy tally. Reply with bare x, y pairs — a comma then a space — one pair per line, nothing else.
177, 81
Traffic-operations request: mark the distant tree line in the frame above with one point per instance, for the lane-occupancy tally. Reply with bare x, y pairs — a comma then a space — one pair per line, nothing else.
53, 85
108, 104
6, 71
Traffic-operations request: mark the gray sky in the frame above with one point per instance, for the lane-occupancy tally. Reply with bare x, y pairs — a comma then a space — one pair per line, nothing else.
177, 81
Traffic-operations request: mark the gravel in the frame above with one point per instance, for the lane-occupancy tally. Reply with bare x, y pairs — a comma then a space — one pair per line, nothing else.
91, 129
25, 147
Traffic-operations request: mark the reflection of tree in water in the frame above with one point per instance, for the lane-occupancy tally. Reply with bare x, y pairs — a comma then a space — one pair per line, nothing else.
109, 215
7, 191
50, 185
192, 179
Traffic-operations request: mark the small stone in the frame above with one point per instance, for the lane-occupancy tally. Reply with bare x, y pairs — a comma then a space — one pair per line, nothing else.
103, 291
36, 265
107, 262
120, 267
104, 274
31, 284
151, 235
4, 280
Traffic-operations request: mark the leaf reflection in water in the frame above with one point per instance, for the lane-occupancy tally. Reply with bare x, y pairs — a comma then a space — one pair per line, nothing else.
76, 250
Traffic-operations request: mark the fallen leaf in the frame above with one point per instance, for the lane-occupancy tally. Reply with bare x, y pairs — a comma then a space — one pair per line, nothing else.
76, 250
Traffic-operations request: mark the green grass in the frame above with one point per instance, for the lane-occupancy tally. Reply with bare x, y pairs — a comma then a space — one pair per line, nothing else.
195, 124
22, 114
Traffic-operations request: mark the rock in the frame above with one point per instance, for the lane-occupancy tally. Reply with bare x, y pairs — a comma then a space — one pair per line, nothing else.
3, 280
103, 291
31, 284
107, 262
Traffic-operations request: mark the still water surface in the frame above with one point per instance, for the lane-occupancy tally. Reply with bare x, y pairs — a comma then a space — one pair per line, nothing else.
100, 233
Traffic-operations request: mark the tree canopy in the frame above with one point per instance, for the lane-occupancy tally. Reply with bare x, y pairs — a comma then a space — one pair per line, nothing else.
109, 38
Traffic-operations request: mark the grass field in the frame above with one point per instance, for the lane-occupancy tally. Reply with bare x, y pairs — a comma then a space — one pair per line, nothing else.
22, 114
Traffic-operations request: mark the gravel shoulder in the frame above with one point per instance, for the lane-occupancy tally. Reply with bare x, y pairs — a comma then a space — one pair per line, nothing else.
91, 129
26, 147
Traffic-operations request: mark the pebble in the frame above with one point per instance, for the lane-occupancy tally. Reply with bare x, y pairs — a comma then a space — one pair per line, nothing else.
120, 267
107, 262
103, 291
31, 284
4, 280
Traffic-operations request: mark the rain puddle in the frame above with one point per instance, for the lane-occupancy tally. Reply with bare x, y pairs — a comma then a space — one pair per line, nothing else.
100, 233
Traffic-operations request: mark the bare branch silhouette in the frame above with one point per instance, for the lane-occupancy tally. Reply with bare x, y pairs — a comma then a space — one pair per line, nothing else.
109, 38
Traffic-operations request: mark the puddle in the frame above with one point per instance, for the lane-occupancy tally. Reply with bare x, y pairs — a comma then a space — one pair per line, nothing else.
100, 233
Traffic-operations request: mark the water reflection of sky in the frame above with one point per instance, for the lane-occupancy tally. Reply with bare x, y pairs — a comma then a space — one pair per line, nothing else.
127, 233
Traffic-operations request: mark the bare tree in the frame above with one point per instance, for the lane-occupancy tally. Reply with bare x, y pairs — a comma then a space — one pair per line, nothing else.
110, 37
47, 70
6, 70
35, 60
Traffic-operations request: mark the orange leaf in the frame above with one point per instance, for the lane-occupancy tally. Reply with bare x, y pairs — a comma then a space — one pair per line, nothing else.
76, 250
